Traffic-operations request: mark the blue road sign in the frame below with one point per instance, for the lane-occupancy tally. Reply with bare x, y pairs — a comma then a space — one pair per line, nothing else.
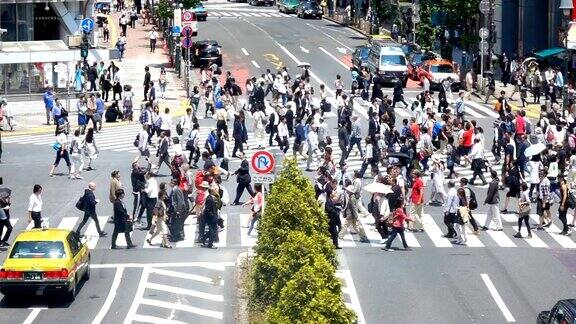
87, 24
187, 42
176, 29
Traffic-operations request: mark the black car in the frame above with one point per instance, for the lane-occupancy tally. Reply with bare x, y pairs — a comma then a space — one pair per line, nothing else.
360, 57
261, 2
563, 312
309, 9
206, 52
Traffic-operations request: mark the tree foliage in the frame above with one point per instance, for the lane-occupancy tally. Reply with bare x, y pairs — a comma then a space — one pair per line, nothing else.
294, 268
165, 9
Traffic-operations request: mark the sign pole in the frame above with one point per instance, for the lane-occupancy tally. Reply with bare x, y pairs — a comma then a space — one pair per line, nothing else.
188, 71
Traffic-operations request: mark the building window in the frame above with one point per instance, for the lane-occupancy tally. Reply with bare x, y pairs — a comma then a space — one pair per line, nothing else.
18, 20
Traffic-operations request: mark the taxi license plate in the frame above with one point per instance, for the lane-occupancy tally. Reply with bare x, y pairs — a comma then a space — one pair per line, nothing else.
32, 276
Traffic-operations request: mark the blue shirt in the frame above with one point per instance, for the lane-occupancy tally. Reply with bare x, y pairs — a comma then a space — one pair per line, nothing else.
99, 105
48, 100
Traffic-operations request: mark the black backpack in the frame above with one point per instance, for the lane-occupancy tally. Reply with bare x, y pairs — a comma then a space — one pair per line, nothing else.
472, 202
80, 203
137, 140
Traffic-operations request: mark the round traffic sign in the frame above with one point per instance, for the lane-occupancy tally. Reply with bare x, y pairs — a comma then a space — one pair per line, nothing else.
485, 7
187, 31
483, 33
263, 162
187, 15
186, 42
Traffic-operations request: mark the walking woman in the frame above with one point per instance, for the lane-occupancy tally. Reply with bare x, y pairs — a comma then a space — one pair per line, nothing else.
76, 151
162, 82
399, 217
122, 221
257, 203
564, 205
463, 217
128, 103
35, 206
5, 220
61, 147
160, 218
524, 211
90, 148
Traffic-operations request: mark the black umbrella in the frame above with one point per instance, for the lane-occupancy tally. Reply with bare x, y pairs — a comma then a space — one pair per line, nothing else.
5, 192
398, 155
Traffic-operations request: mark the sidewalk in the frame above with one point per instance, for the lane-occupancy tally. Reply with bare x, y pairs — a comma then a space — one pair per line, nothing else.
30, 116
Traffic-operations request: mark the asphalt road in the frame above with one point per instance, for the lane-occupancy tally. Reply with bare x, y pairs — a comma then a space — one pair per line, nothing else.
495, 279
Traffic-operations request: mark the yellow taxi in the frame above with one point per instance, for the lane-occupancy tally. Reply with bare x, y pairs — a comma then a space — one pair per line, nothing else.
45, 262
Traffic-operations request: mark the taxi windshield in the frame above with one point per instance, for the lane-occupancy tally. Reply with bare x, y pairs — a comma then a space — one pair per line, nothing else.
442, 68
38, 250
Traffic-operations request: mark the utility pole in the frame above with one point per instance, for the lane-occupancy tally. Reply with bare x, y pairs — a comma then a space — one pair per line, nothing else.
492, 39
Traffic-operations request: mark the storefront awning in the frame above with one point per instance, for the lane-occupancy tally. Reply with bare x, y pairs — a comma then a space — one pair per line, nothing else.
46, 51
572, 36
549, 52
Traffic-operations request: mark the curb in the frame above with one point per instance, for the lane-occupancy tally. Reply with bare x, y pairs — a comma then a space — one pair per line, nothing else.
241, 310
345, 25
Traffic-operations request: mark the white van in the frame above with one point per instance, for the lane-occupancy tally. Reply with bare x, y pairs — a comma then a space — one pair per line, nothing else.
388, 60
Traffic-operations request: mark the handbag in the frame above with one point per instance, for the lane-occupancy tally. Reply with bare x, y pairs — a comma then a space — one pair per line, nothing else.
57, 146
129, 226
464, 214
524, 209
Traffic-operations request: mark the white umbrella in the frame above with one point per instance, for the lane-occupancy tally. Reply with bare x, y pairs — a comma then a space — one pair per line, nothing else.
530, 59
377, 187
534, 149
304, 64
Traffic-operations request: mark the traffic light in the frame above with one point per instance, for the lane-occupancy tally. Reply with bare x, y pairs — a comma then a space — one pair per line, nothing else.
84, 46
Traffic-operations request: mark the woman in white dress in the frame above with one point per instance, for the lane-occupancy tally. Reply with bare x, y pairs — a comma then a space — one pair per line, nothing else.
76, 151
437, 183
90, 148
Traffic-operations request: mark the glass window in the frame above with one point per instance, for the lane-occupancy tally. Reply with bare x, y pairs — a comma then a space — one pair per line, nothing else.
392, 60
17, 78
18, 19
38, 250
444, 68
8, 21
73, 243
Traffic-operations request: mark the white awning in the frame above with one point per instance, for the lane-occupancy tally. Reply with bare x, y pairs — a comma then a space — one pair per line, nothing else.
572, 36
46, 51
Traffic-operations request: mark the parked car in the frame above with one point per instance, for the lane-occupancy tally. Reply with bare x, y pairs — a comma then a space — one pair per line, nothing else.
200, 11
360, 56
205, 52
47, 261
437, 71
309, 9
261, 2
288, 6
563, 312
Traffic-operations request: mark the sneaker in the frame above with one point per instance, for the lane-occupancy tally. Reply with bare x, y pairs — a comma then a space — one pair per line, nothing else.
567, 234
529, 236
103, 234
387, 249
383, 241
518, 235
504, 211
548, 225
484, 228
499, 229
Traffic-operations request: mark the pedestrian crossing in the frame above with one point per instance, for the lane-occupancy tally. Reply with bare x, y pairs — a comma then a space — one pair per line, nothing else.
472, 109
235, 234
237, 13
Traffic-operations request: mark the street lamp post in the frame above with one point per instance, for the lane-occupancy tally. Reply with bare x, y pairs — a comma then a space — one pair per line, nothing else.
566, 6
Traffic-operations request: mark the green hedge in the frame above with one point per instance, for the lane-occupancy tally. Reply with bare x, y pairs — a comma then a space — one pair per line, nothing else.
295, 263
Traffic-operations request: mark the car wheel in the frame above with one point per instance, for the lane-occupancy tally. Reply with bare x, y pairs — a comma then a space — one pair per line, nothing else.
71, 295
87, 273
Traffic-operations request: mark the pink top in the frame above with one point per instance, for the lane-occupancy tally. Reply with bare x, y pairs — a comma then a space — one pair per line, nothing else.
399, 217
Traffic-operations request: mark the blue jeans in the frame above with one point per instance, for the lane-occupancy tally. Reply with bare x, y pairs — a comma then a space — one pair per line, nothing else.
396, 231
253, 222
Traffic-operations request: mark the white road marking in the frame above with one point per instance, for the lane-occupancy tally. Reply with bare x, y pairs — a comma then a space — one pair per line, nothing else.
155, 320
184, 275
13, 221
350, 289
496, 296
255, 64
434, 232
471, 239
498, 236
334, 58
244, 51
222, 236
208, 265
402, 112
330, 36
180, 307
226, 14
68, 223
482, 108
183, 291
33, 314
110, 298
304, 50
92, 234
535, 241
189, 232
554, 231
138, 296
245, 240
265, 15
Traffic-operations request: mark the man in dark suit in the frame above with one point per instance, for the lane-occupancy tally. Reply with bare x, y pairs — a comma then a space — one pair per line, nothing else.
177, 211
243, 179
210, 216
162, 153
373, 126
121, 217
89, 202
146, 83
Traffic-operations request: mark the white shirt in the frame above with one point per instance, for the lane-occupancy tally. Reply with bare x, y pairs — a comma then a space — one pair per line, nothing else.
313, 140
193, 136
151, 188
166, 123
152, 34
452, 202
62, 139
186, 121
258, 119
476, 152
142, 140
282, 130
35, 203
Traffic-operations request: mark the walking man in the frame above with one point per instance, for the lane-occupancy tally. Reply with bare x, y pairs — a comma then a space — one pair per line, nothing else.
153, 35
146, 83
89, 202
243, 179
492, 200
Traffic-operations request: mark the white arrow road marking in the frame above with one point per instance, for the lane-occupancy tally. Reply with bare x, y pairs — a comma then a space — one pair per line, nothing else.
245, 51
341, 50
304, 50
